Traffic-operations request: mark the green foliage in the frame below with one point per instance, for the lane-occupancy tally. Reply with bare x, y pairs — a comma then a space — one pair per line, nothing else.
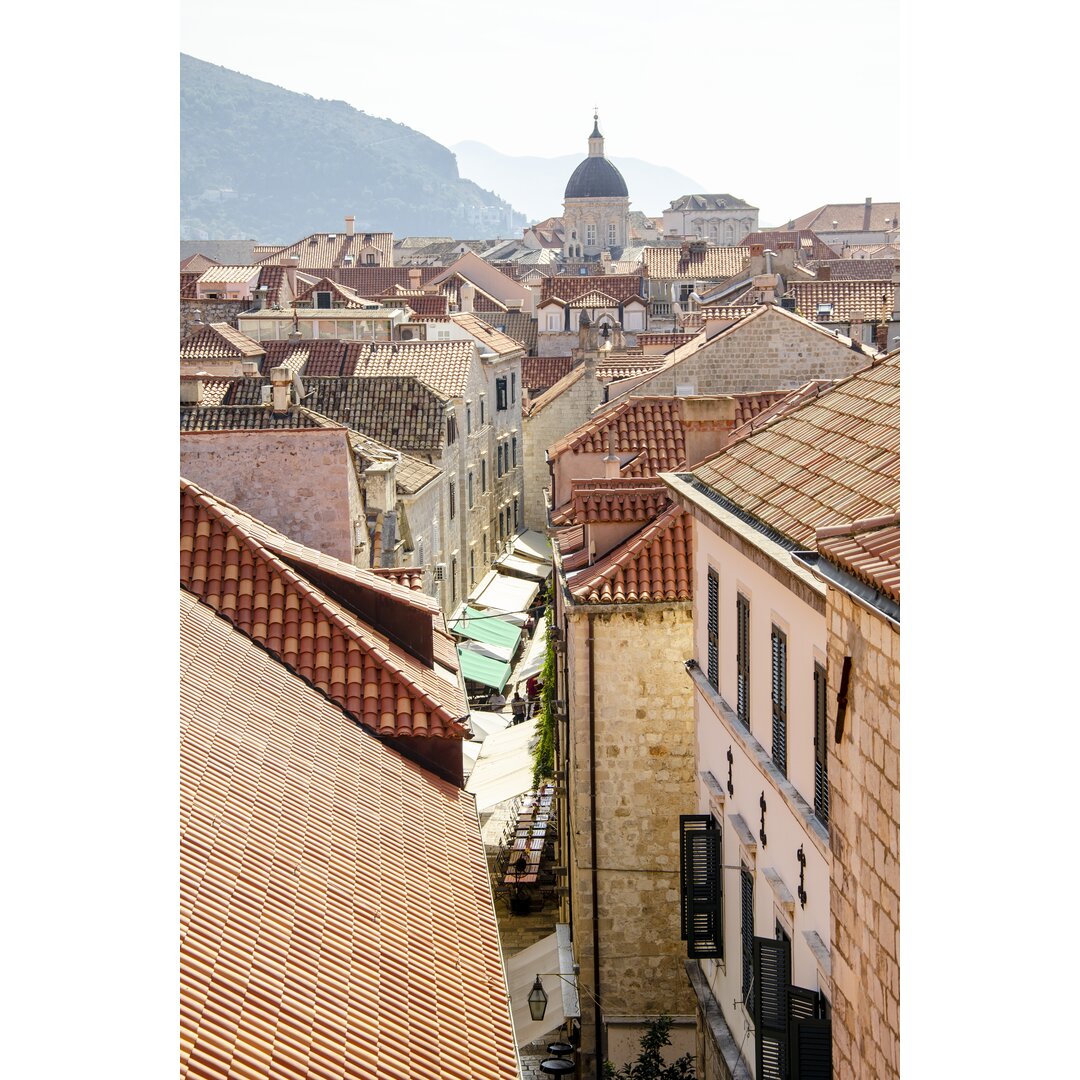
261, 162
544, 754
650, 1063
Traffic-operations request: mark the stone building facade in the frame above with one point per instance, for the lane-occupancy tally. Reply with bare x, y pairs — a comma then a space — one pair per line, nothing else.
864, 829
770, 349
195, 312
596, 206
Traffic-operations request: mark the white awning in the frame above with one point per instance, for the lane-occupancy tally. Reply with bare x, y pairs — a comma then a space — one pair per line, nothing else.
483, 724
528, 567
550, 958
497, 592
533, 545
504, 767
533, 660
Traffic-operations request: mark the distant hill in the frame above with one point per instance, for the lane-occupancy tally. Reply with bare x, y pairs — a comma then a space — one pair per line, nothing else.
261, 162
536, 184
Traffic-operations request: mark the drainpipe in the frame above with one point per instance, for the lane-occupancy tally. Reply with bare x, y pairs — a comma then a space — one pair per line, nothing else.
592, 826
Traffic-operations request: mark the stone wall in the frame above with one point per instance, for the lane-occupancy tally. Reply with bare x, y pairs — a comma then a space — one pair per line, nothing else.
300, 482
213, 311
556, 344
645, 778
557, 418
773, 352
864, 834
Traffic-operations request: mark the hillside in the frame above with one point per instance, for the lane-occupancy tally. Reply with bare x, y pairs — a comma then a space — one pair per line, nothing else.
536, 184
261, 162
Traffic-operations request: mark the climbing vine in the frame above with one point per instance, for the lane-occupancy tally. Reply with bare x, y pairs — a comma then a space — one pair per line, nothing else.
544, 753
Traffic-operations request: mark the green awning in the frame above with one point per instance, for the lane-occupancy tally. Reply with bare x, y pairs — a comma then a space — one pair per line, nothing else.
483, 669
481, 626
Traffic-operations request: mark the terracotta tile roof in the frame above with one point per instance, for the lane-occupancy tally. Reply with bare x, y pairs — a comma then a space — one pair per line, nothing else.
319, 251
808, 245
782, 403
215, 388
518, 325
428, 305
322, 357
442, 365
626, 367
595, 298
649, 425
410, 473
336, 916
375, 280
221, 275
540, 372
553, 392
411, 577
259, 581
845, 269
620, 287
663, 339
849, 217
243, 418
712, 262
187, 285
727, 311
275, 280
872, 555
653, 566
341, 295
721, 201
833, 460
219, 341
622, 499
498, 342
846, 298
197, 262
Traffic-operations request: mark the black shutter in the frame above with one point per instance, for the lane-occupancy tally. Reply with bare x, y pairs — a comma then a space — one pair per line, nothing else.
746, 881
821, 747
772, 980
779, 699
743, 657
500, 392
811, 1049
714, 629
700, 885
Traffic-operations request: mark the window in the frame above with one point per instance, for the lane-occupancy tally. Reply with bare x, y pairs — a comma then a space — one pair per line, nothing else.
746, 882
779, 699
483, 474
323, 300
500, 393
513, 387
485, 548
553, 322
590, 235
451, 429
472, 566
612, 234
821, 747
499, 460
470, 489
516, 522
481, 410
468, 419
501, 534
743, 659
370, 258
713, 635
701, 885
453, 580
453, 500
513, 451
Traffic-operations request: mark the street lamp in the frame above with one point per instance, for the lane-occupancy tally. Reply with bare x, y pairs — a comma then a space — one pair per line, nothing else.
538, 1000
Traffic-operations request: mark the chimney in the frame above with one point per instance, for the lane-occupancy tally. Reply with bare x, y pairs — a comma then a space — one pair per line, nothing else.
466, 296
785, 259
866, 216
290, 263
855, 329
881, 337
707, 422
197, 323
250, 368
350, 225
824, 272
414, 278
611, 463
281, 384
259, 296
757, 259
190, 391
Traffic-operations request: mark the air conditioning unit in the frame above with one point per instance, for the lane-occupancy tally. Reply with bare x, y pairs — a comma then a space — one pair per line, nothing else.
440, 571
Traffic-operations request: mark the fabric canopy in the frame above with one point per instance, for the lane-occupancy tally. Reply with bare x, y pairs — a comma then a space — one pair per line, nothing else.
528, 567
532, 545
483, 626
483, 669
504, 767
504, 593
554, 956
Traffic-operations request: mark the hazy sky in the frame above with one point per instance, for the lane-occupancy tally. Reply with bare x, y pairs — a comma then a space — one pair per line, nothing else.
787, 106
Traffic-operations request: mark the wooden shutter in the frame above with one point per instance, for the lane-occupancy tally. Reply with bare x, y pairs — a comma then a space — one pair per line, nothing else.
700, 882
714, 630
821, 747
772, 980
746, 881
811, 1049
779, 699
743, 658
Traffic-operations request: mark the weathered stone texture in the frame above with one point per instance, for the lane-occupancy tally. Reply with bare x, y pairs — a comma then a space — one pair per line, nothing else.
213, 311
864, 830
645, 760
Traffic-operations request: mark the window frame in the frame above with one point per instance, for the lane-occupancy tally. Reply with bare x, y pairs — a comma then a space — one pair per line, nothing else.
742, 659
778, 644
821, 744
500, 394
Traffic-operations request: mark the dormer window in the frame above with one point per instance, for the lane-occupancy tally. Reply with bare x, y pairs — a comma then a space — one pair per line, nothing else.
323, 300
370, 259
347, 261
824, 311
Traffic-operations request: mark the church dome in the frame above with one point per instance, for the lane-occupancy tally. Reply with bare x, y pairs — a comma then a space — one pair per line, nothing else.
596, 178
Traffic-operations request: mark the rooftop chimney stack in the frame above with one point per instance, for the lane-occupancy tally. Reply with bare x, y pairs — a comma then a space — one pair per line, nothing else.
281, 384
350, 225
190, 391
707, 422
466, 296
757, 259
611, 463
414, 278
866, 215
291, 262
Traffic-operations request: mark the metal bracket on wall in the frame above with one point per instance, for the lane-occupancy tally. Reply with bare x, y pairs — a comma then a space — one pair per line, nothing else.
801, 856
761, 834
730, 763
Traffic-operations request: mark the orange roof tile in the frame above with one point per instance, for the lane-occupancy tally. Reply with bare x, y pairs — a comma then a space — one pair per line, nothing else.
321, 251
495, 340
340, 294
710, 262
832, 460
215, 388
621, 499
846, 298
872, 555
442, 365
540, 372
336, 916
219, 341
247, 573
651, 425
620, 287
807, 243
653, 566
411, 577
847, 269
188, 281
